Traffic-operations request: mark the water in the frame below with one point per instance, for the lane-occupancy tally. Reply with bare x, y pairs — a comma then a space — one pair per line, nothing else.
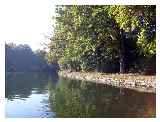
44, 95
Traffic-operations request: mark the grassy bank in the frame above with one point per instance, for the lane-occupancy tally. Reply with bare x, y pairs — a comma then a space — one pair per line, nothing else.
136, 82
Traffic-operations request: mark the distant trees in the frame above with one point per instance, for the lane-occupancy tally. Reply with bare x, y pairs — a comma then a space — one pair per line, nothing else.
21, 58
104, 38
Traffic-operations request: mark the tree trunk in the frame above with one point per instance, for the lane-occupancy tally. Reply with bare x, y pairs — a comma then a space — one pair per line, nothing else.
121, 53
117, 35
121, 62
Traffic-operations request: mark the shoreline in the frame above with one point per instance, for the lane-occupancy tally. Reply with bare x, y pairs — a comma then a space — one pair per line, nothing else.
135, 82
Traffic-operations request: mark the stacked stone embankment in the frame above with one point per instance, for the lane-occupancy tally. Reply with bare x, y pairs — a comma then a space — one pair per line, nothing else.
136, 82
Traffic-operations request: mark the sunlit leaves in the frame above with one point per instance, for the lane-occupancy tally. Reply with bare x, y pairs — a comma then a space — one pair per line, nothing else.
147, 48
86, 35
141, 17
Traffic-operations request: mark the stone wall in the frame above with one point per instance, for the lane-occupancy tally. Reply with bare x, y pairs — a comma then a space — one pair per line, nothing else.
131, 81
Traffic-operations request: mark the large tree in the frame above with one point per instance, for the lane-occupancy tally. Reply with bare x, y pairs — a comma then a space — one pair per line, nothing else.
87, 36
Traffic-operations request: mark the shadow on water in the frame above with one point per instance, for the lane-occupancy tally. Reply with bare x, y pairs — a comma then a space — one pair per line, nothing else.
83, 99
72, 98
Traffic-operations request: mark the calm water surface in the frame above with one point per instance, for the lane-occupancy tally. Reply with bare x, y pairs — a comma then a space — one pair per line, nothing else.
46, 95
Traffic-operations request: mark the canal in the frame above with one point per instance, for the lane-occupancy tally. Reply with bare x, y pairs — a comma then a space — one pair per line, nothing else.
44, 95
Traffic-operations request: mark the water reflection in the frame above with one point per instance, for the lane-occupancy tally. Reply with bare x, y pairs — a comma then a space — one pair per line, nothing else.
45, 95
22, 85
82, 99
27, 95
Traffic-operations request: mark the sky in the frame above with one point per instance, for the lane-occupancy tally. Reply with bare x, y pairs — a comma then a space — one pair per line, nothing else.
26, 21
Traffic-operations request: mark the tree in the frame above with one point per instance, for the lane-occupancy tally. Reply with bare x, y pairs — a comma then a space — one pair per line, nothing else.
87, 37
21, 58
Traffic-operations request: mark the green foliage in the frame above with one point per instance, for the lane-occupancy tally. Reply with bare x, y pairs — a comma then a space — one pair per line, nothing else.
148, 46
128, 19
20, 58
86, 37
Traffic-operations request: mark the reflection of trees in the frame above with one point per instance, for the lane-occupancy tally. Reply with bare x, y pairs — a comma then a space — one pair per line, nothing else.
22, 84
70, 98
134, 104
82, 99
